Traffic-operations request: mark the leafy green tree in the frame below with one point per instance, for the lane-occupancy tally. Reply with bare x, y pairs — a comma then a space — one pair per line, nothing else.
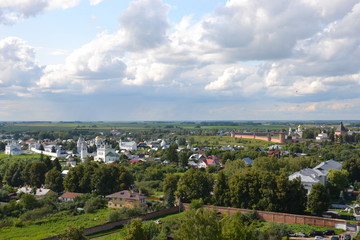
54, 180
41, 147
195, 184
37, 174
318, 199
135, 230
337, 181
352, 165
221, 195
72, 233
13, 175
56, 164
28, 201
199, 224
48, 163
72, 179
171, 153
169, 188
245, 189
183, 159
237, 227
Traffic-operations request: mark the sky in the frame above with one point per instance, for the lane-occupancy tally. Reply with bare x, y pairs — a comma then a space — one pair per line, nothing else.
151, 60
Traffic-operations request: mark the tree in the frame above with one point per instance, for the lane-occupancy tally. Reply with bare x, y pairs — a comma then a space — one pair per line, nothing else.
135, 230
56, 164
238, 227
37, 174
199, 224
72, 179
41, 147
221, 195
54, 180
318, 199
171, 153
72, 233
337, 181
28, 201
48, 163
195, 184
352, 165
183, 159
13, 176
169, 188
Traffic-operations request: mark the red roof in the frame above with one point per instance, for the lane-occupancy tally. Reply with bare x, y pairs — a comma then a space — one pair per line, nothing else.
70, 194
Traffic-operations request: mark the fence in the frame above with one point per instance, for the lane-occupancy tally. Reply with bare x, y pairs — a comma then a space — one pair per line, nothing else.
281, 217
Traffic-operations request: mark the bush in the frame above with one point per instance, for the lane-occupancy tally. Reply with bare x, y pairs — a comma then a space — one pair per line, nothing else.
132, 212
18, 223
116, 216
93, 204
36, 213
196, 203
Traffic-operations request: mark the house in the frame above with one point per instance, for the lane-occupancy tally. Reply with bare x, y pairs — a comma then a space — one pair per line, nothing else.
68, 196
318, 174
40, 192
128, 146
247, 160
127, 199
12, 148
322, 137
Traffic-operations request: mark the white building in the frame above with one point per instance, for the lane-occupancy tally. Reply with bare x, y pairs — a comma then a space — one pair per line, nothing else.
106, 154
322, 137
82, 148
318, 174
12, 148
128, 146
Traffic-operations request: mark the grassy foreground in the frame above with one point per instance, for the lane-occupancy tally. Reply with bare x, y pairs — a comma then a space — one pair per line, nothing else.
53, 225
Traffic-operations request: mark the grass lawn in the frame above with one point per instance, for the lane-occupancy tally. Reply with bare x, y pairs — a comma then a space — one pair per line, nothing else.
53, 225
30, 157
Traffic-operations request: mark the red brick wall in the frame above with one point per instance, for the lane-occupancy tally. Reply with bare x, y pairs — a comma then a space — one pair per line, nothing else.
279, 217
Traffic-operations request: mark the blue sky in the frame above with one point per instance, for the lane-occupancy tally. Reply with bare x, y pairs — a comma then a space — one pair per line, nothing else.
90, 60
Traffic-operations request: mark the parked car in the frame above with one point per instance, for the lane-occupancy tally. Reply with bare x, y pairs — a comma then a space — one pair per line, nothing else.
316, 233
347, 236
334, 238
329, 232
319, 238
300, 234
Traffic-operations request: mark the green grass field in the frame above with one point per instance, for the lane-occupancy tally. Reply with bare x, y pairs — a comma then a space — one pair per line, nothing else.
53, 225
30, 157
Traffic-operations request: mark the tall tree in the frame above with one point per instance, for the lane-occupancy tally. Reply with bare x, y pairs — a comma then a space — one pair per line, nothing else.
13, 176
337, 181
318, 199
54, 180
237, 227
352, 165
195, 184
37, 174
221, 195
199, 224
169, 188
56, 164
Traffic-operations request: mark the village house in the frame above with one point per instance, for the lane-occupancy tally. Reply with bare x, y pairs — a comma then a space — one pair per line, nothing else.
40, 192
68, 196
318, 174
127, 199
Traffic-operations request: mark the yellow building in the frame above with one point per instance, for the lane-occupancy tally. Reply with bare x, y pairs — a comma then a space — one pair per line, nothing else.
127, 199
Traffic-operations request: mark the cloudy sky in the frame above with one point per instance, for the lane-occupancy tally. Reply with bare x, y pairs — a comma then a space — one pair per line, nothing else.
121, 60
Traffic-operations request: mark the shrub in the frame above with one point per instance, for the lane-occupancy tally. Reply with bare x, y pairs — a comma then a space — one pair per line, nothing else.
93, 204
36, 213
196, 203
116, 216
